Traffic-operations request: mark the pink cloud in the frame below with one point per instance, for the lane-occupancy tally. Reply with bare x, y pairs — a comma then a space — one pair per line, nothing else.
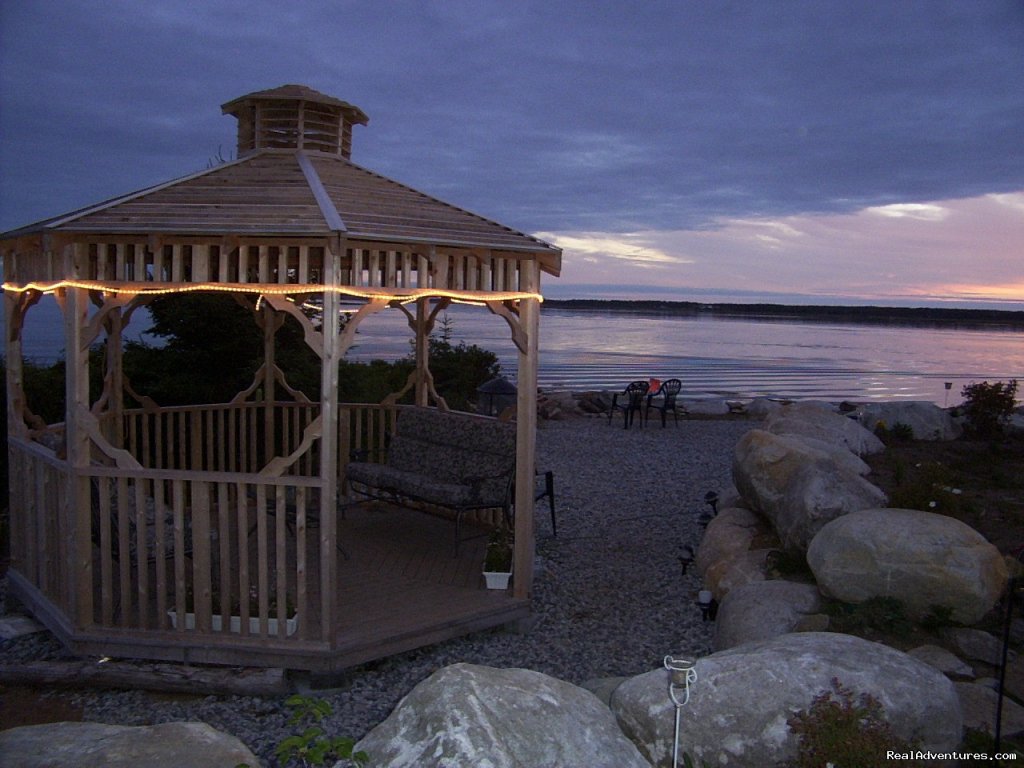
966, 249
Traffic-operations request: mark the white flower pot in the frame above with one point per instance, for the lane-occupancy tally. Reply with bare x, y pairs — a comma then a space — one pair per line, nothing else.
235, 623
497, 579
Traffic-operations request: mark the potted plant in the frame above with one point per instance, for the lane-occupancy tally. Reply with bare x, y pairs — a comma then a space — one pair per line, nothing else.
498, 560
235, 620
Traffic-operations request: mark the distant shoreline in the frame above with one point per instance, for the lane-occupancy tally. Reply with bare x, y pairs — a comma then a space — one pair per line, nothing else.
993, 319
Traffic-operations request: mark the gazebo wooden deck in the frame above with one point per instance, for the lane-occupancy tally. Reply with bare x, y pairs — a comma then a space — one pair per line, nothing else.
139, 530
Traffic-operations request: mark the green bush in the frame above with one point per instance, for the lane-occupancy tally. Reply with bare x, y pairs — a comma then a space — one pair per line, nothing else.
988, 406
312, 746
880, 614
845, 731
929, 487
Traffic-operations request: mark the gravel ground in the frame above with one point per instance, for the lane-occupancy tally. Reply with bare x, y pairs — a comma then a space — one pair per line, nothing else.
609, 596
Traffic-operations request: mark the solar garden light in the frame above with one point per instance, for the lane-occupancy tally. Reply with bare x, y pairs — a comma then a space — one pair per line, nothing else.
711, 499
707, 604
948, 385
686, 557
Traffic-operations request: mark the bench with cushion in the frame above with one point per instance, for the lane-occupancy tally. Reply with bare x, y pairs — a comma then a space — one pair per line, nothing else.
442, 460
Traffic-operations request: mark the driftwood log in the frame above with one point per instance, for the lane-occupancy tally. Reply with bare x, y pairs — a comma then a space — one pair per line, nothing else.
173, 678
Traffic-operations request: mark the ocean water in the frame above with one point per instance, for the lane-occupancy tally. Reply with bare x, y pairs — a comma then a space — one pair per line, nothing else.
714, 357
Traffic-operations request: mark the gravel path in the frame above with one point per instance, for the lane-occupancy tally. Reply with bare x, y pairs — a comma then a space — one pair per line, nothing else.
609, 599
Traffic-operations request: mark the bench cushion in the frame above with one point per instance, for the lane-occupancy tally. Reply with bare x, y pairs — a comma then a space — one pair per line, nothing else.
444, 458
402, 483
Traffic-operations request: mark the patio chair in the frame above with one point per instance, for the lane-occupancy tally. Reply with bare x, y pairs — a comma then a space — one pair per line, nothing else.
667, 392
632, 398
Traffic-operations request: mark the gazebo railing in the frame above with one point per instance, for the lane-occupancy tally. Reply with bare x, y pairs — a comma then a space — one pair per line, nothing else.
40, 526
229, 437
181, 560
206, 555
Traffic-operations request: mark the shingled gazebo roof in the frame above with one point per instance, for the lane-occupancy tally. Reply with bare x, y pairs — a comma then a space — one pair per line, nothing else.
295, 191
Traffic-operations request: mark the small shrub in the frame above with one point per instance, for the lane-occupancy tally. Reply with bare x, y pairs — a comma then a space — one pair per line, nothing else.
988, 406
937, 618
881, 614
929, 487
845, 731
901, 431
312, 747
498, 557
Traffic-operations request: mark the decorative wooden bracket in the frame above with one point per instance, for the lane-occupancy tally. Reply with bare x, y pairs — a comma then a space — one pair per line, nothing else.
314, 338
348, 336
510, 314
312, 433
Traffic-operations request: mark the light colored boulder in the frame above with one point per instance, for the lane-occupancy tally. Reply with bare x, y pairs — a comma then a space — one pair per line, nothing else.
762, 408
977, 645
743, 697
948, 663
763, 610
979, 702
921, 558
603, 687
927, 420
710, 407
822, 423
469, 715
747, 567
843, 457
727, 536
168, 745
798, 487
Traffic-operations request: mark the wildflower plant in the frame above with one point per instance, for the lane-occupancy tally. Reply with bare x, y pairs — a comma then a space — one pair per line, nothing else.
842, 729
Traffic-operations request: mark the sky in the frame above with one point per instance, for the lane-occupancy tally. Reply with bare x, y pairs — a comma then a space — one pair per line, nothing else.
805, 152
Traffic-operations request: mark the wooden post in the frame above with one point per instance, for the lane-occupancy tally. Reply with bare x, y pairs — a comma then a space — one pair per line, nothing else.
526, 432
15, 366
115, 378
329, 439
422, 353
76, 309
269, 331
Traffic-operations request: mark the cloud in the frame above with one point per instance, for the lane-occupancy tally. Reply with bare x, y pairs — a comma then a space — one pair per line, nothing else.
626, 247
954, 249
707, 138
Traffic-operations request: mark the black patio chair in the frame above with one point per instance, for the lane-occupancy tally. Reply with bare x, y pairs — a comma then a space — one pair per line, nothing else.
632, 403
667, 392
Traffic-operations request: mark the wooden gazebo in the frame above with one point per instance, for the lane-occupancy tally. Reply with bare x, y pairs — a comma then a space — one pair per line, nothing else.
140, 530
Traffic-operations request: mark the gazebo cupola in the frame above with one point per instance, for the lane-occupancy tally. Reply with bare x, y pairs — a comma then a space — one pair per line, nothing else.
129, 510
294, 117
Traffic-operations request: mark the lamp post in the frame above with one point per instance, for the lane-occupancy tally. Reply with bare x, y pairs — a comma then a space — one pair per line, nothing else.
495, 396
707, 604
711, 499
686, 557
1012, 593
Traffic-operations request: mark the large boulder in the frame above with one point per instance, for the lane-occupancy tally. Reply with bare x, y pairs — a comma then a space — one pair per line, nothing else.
927, 420
747, 567
762, 610
921, 558
480, 716
822, 423
168, 745
709, 407
740, 704
797, 486
729, 534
